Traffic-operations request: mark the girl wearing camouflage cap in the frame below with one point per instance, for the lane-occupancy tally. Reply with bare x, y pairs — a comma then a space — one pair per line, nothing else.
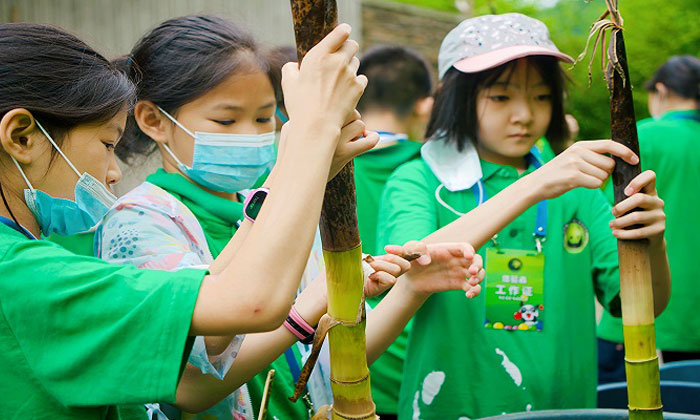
528, 342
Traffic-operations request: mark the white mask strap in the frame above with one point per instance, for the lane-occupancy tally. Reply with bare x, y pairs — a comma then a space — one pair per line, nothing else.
170, 117
38, 124
442, 203
19, 168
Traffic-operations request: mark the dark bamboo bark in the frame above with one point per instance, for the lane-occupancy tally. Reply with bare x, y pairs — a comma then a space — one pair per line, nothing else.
636, 291
313, 19
350, 383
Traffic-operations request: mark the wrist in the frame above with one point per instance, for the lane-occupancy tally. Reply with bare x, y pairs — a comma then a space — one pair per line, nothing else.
409, 292
530, 190
311, 305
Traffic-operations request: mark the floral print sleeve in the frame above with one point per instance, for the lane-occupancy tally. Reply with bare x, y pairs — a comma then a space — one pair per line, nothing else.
149, 228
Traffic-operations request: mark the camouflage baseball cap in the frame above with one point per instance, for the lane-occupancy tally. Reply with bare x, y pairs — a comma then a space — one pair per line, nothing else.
488, 41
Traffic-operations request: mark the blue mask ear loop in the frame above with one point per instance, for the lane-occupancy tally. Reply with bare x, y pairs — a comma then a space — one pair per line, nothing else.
283, 118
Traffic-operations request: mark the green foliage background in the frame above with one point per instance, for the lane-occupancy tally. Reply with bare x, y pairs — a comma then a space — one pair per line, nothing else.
654, 31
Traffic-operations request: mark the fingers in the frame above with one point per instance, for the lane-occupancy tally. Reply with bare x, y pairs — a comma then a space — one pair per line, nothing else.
352, 148
605, 163
639, 200
354, 65
352, 131
354, 116
612, 147
348, 50
647, 232
473, 292
645, 218
392, 264
418, 247
646, 181
335, 39
383, 279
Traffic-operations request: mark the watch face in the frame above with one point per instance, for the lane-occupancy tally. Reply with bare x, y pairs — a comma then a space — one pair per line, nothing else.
255, 204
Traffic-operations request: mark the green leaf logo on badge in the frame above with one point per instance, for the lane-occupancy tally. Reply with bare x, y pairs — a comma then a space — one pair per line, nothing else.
575, 237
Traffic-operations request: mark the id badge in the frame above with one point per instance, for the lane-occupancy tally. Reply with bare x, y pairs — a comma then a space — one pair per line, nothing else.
514, 290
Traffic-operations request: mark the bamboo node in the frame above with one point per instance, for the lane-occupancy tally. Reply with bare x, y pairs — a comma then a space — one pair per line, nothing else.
640, 361
358, 381
661, 406
369, 416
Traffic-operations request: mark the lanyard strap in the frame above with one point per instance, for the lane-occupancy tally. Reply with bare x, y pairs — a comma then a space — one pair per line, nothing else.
292, 362
540, 231
19, 228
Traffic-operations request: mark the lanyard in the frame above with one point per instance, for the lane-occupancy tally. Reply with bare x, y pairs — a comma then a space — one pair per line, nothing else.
480, 196
292, 362
19, 228
694, 117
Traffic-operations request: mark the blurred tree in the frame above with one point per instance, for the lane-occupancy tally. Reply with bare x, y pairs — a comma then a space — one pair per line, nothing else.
655, 30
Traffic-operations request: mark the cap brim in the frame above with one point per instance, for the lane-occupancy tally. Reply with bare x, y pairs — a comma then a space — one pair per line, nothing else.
493, 59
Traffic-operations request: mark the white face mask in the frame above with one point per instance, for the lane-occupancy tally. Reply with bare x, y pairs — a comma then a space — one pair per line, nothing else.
68, 217
227, 162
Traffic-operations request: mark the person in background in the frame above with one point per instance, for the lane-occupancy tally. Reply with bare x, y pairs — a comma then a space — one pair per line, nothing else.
668, 142
396, 104
528, 342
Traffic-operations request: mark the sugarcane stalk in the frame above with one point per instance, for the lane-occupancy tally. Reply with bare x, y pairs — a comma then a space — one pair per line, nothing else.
342, 251
636, 294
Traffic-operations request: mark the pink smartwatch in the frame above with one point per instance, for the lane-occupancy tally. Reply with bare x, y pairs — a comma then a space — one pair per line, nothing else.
253, 203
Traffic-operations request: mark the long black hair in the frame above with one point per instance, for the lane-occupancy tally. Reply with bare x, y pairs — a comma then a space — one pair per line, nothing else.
681, 75
454, 115
61, 80
179, 61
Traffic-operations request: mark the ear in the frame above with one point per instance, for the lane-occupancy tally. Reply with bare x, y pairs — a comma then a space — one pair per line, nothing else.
661, 89
151, 121
17, 134
423, 107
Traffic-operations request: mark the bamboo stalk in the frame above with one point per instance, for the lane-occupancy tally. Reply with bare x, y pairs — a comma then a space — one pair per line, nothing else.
352, 399
636, 294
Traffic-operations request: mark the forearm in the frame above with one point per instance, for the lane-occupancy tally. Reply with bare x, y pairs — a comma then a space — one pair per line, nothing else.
660, 275
388, 319
197, 391
479, 225
264, 274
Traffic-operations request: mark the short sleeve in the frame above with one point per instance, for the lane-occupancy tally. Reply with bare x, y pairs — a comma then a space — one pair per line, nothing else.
406, 210
606, 266
149, 232
94, 333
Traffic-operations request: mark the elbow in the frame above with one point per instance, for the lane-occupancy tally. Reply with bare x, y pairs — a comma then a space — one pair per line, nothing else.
268, 315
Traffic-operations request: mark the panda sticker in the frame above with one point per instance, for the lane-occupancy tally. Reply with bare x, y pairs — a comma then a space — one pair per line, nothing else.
575, 236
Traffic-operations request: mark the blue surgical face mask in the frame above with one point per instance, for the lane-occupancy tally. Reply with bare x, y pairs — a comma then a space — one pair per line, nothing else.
68, 217
227, 162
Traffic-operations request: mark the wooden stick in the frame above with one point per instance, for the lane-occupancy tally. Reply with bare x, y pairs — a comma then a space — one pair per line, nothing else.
340, 236
636, 292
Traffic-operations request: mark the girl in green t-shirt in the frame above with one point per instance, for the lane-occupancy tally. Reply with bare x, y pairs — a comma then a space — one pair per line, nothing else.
528, 342
206, 101
78, 335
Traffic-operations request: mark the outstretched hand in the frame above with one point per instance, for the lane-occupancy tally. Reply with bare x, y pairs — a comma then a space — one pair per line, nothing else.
442, 267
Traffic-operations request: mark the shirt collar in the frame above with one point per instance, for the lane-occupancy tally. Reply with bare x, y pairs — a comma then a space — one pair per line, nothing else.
226, 210
17, 227
386, 137
461, 170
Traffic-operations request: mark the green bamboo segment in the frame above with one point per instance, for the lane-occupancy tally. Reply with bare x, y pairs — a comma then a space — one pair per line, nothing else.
345, 280
352, 399
349, 372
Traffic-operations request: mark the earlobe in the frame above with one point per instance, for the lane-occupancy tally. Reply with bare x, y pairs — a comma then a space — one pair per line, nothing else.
16, 131
150, 120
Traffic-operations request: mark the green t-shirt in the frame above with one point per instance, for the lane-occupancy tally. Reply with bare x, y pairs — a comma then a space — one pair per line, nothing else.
458, 368
372, 169
79, 335
218, 217
666, 147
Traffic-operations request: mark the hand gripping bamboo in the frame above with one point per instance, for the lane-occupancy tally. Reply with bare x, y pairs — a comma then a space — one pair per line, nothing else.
641, 362
342, 251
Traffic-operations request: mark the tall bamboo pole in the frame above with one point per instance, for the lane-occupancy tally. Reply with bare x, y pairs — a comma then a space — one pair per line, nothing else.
641, 362
342, 251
